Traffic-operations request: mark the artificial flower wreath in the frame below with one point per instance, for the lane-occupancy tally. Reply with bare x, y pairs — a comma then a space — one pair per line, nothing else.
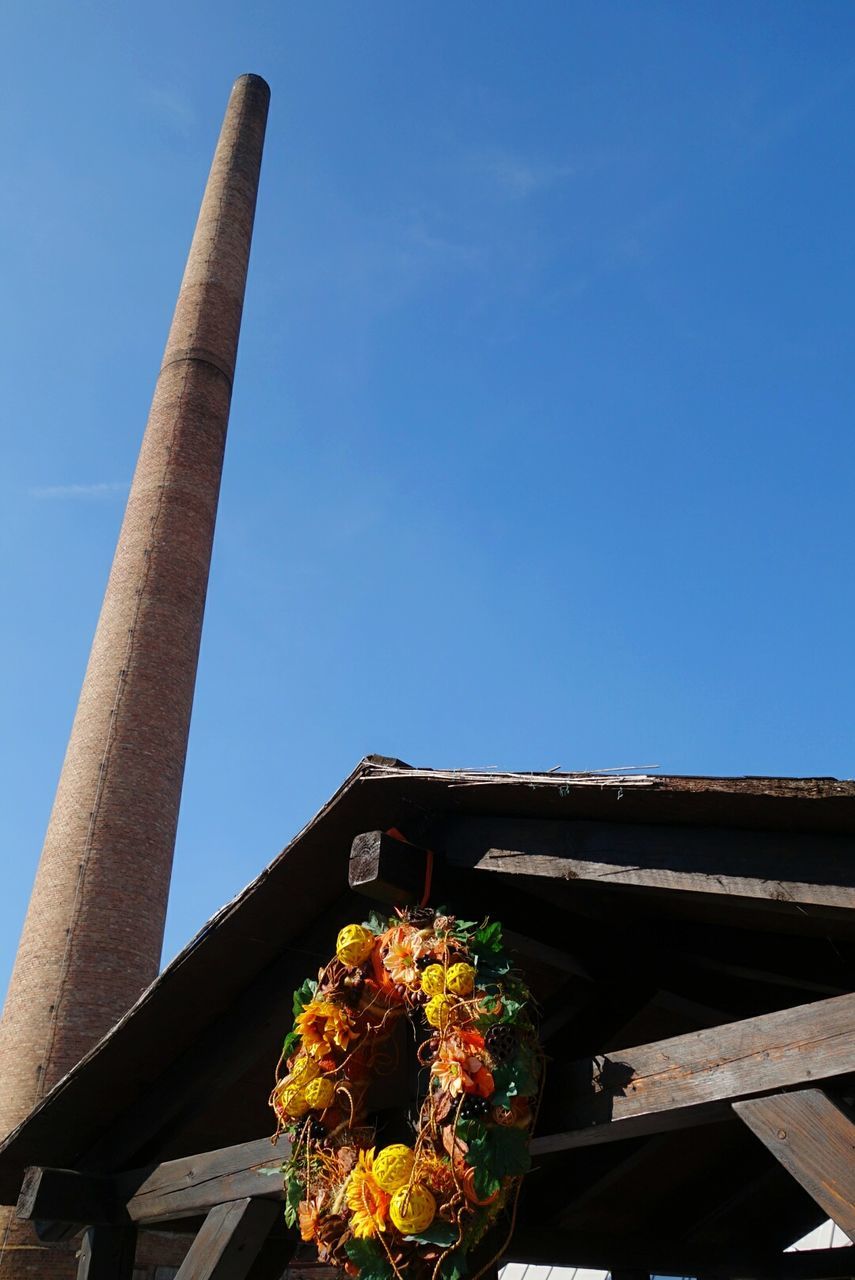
418, 1209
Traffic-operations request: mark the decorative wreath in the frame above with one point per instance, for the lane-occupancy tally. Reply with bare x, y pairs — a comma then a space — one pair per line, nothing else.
421, 1208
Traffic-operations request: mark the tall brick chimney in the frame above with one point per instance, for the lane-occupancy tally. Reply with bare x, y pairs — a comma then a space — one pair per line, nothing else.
93, 932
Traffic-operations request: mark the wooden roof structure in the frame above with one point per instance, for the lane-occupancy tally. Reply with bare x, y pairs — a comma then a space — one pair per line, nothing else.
691, 945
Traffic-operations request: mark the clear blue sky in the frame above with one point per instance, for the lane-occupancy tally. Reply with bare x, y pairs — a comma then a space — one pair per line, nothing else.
541, 450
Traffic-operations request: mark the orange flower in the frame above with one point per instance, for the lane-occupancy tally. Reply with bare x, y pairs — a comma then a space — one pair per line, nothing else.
437, 1173
401, 947
368, 1203
325, 1026
308, 1215
460, 1068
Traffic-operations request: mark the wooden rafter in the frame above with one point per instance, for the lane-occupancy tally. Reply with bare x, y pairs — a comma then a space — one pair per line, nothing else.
175, 1189
229, 1241
783, 870
814, 1139
394, 872
694, 1078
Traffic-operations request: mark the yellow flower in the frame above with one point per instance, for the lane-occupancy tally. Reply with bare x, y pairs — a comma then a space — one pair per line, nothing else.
368, 1203
325, 1026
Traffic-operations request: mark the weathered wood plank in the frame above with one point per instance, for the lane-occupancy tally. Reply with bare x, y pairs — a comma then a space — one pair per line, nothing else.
229, 1241
107, 1253
63, 1195
387, 869
182, 1188
777, 868
175, 1189
694, 1078
815, 1141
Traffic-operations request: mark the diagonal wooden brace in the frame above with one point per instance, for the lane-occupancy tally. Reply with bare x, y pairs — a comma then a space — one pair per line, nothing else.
814, 1139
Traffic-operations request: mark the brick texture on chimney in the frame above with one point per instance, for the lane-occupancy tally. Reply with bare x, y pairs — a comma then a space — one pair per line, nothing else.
93, 932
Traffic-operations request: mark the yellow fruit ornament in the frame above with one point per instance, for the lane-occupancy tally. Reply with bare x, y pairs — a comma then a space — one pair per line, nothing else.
433, 980
319, 1093
292, 1100
393, 1166
354, 944
412, 1209
437, 1011
461, 978
303, 1071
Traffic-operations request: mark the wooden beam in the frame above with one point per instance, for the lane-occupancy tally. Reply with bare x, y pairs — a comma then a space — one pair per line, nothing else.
815, 1142
63, 1195
184, 1188
386, 869
783, 870
107, 1253
175, 1189
229, 1241
692, 1079
394, 872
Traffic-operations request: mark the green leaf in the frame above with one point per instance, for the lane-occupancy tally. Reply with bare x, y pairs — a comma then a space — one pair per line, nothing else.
375, 923
454, 1267
291, 1042
439, 1233
487, 942
293, 1196
304, 995
371, 1262
509, 1153
498, 1153
515, 1079
471, 1130
486, 1183
463, 929
511, 1008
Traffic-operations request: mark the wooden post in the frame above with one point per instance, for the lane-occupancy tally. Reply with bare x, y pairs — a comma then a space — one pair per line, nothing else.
229, 1240
107, 1253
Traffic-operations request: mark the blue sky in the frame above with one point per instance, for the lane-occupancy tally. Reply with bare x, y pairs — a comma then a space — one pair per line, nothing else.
541, 448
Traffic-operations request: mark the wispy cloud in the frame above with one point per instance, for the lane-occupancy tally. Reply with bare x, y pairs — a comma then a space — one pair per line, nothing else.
522, 176
105, 490
173, 107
